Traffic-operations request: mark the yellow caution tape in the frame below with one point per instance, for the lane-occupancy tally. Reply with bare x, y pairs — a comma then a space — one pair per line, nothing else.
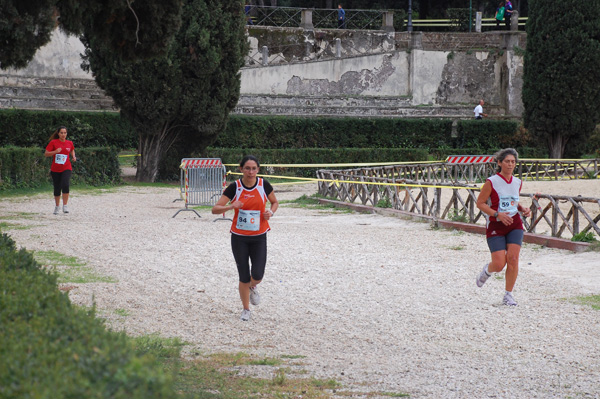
333, 165
309, 179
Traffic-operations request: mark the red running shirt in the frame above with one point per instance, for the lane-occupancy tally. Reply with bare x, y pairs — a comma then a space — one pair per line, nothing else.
60, 161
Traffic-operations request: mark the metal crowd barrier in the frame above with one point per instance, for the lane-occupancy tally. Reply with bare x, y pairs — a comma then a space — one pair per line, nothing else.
202, 182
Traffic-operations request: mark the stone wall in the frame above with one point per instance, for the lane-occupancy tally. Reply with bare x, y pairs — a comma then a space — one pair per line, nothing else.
448, 72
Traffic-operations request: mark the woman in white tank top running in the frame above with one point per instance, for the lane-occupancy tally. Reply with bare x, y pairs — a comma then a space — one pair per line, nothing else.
504, 230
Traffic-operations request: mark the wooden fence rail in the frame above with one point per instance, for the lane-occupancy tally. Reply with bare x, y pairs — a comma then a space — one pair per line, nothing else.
555, 215
442, 172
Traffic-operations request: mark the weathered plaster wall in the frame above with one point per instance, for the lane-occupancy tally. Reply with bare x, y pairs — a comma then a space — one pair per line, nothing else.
375, 75
58, 59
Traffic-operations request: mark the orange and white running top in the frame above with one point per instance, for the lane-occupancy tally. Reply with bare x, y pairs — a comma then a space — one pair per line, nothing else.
248, 220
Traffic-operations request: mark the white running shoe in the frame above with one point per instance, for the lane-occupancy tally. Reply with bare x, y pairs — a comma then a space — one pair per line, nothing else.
245, 315
254, 296
509, 300
56, 210
65, 209
482, 278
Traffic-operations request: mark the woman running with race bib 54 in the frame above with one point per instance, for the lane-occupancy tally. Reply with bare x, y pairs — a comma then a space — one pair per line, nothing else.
504, 229
248, 197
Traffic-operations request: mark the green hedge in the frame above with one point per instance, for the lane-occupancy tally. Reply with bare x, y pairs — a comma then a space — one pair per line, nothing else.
27, 167
315, 156
51, 349
24, 128
486, 134
295, 132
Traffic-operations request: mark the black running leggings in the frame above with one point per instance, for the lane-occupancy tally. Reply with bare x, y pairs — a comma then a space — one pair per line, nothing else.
250, 248
61, 182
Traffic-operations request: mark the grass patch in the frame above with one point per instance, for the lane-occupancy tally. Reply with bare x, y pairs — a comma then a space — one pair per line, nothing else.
4, 226
312, 202
591, 300
70, 269
122, 312
19, 215
457, 247
218, 375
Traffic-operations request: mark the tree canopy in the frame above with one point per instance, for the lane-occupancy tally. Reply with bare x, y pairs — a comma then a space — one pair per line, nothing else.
561, 74
185, 96
131, 29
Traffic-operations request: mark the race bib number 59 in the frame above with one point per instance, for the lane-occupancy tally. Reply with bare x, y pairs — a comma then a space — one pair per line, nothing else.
508, 204
248, 220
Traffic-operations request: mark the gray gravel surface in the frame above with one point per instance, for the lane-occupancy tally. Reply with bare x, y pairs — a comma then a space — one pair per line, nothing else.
377, 303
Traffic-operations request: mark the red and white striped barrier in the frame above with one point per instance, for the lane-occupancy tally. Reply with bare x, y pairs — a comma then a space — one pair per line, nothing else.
193, 163
469, 159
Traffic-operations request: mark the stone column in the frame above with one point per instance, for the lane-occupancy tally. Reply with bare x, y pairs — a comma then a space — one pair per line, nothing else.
478, 16
514, 21
388, 21
306, 21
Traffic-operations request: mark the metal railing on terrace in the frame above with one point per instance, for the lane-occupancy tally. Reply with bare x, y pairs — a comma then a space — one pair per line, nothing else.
321, 18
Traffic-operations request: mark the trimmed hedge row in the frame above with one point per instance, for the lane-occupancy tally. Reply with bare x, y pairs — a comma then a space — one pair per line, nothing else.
293, 132
27, 167
315, 156
51, 349
24, 128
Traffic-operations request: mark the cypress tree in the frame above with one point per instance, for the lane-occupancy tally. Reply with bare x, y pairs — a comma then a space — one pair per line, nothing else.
561, 79
186, 95
133, 29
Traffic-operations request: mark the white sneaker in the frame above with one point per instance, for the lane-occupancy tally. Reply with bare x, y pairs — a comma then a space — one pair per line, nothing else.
509, 300
65, 209
254, 296
482, 278
245, 315
56, 210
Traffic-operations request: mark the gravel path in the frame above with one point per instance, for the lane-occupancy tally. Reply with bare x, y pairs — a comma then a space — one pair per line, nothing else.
377, 303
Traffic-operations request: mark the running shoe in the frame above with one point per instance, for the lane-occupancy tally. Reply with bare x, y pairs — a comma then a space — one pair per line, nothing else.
509, 300
65, 209
482, 278
245, 315
254, 296
56, 210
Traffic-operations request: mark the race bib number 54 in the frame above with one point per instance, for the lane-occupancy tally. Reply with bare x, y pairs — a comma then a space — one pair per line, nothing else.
248, 220
60, 159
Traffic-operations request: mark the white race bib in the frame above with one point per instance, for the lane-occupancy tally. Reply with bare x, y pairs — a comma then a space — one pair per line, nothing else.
508, 204
61, 158
248, 220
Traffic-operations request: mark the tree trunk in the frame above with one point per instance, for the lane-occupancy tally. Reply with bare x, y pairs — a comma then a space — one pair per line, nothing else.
152, 148
556, 145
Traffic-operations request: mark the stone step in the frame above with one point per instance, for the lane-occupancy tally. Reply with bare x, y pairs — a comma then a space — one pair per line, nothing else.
293, 101
77, 104
416, 112
53, 93
47, 82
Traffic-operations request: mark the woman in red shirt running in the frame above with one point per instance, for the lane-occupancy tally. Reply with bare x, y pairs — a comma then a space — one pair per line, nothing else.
59, 149
248, 197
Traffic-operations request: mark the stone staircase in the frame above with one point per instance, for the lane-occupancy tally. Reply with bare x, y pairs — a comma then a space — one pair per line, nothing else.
53, 94
345, 106
84, 95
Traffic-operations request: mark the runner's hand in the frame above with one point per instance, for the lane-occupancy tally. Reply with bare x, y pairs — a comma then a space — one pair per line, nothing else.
505, 219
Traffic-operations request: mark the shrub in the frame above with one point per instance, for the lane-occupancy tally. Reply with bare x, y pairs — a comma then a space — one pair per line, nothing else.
25, 128
51, 349
27, 167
